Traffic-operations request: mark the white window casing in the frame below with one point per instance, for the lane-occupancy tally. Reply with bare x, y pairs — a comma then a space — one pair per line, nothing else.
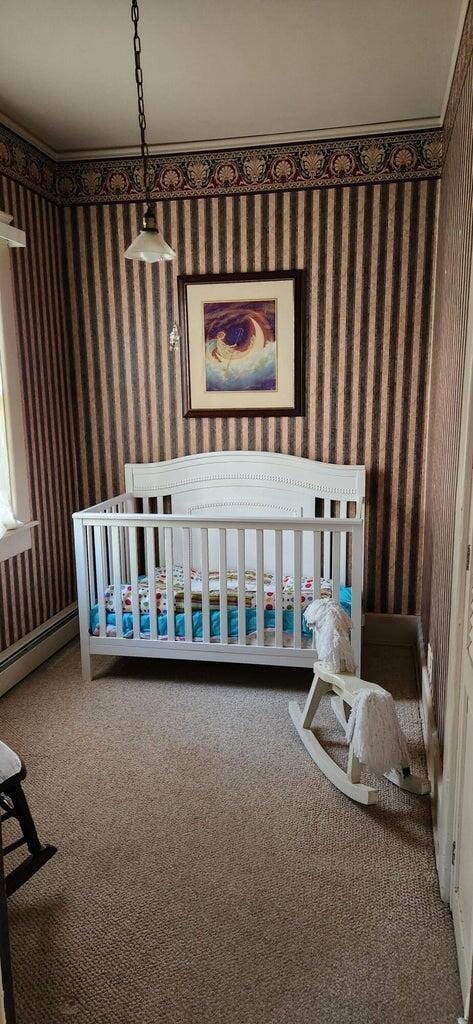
15, 505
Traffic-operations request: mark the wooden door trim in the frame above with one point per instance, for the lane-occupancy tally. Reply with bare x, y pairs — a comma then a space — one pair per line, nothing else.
448, 784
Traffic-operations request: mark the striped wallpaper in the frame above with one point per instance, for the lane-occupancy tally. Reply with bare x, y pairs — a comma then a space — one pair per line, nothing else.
36, 585
369, 255
454, 261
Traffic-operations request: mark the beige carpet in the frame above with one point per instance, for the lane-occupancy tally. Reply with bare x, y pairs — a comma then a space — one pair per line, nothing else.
207, 873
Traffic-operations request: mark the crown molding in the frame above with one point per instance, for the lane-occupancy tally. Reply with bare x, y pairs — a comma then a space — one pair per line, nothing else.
464, 56
28, 136
211, 145
248, 141
459, 39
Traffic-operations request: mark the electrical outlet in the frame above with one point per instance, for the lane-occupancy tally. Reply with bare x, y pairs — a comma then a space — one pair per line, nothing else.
430, 661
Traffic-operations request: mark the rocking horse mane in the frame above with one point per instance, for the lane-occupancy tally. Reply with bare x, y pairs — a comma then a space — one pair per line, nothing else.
332, 628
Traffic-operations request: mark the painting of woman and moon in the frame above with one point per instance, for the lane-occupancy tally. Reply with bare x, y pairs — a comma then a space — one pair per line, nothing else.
242, 343
240, 340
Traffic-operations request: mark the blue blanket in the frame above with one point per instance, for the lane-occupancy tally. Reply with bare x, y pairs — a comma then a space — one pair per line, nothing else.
197, 630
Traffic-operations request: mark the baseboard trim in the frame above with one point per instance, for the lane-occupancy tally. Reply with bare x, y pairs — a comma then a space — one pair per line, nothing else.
32, 650
390, 629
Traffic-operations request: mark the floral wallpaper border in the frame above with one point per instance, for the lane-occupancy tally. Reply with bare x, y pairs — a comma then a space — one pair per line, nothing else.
25, 164
370, 159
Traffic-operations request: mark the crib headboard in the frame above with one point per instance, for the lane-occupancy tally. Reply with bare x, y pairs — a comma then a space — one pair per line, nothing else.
261, 483
222, 484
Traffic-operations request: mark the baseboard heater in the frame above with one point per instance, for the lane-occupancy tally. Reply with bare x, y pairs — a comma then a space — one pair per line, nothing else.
36, 647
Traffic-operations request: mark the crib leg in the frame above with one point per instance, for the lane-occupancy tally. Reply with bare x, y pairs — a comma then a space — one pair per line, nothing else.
86, 664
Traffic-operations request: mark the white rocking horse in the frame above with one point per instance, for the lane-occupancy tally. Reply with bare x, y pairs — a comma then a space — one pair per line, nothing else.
365, 710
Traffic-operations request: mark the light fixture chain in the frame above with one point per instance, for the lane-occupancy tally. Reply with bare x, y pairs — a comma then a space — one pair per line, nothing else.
135, 17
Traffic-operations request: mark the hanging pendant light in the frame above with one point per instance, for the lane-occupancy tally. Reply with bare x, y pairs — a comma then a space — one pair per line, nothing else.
150, 246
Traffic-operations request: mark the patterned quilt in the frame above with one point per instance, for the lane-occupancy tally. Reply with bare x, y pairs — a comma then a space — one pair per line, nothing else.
305, 593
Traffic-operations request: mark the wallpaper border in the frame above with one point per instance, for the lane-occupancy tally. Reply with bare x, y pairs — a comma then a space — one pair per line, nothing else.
370, 159
27, 165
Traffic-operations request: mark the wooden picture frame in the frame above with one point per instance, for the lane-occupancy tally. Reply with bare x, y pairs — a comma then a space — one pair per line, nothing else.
242, 343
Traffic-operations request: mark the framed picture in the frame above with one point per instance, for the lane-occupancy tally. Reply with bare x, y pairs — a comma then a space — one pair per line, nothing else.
242, 343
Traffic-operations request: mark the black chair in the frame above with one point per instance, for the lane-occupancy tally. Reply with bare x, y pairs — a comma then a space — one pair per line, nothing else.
13, 804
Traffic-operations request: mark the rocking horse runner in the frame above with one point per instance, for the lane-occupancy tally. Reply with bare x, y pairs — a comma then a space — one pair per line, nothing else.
371, 725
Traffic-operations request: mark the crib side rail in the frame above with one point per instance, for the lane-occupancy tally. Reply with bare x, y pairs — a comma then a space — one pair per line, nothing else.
306, 524
120, 503
116, 546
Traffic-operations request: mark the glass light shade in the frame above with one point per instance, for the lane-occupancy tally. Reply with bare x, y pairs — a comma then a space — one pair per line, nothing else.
150, 246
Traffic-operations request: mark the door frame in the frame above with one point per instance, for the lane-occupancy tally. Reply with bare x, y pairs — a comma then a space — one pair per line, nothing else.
466, 975
447, 805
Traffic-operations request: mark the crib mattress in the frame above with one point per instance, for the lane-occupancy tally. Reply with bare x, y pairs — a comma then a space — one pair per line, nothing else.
159, 593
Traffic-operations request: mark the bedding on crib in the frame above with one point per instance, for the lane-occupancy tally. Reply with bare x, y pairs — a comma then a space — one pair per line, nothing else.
154, 600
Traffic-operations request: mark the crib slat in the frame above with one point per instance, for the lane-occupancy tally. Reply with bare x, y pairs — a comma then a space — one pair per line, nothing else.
223, 586
135, 601
151, 574
128, 506
327, 515
121, 538
169, 583
356, 586
108, 556
161, 534
336, 567
91, 566
297, 588
204, 543
343, 546
278, 585
259, 589
117, 582
98, 545
186, 562
241, 587
317, 571
145, 506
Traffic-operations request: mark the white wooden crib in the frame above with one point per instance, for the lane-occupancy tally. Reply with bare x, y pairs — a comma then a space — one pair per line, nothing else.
275, 516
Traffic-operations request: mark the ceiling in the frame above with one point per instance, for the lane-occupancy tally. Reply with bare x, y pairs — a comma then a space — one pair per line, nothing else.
224, 71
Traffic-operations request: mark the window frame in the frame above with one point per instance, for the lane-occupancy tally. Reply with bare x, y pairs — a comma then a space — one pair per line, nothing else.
20, 538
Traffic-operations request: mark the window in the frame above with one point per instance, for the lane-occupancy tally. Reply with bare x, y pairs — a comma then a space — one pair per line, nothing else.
15, 514
7, 518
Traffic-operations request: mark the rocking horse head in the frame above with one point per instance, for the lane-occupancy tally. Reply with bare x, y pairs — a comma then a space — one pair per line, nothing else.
332, 628
323, 610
